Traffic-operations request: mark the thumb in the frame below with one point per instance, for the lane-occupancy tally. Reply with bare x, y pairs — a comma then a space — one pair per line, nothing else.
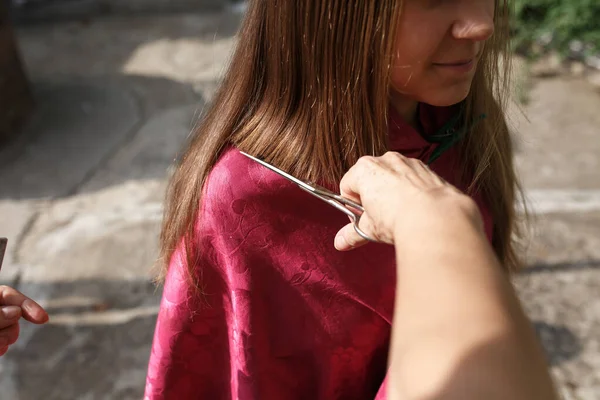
347, 239
33, 312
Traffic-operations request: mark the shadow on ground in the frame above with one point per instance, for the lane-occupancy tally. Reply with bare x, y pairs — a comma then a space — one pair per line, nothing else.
92, 100
96, 347
79, 125
560, 343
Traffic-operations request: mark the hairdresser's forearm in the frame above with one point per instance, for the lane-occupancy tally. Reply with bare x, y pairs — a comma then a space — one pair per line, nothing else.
459, 331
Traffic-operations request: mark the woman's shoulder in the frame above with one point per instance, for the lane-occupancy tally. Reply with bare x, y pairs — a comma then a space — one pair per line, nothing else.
246, 207
236, 180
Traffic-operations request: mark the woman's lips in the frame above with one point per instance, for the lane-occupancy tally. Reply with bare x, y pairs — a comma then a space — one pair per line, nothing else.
461, 66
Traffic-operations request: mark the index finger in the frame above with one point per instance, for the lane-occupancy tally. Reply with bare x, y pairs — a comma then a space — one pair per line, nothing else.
32, 311
350, 184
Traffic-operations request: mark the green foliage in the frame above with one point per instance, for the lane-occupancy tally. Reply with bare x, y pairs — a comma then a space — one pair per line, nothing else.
544, 25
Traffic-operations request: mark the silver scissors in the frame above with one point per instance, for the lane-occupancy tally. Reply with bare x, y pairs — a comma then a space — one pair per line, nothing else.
339, 202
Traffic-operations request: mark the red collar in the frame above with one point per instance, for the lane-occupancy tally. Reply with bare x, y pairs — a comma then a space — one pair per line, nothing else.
404, 138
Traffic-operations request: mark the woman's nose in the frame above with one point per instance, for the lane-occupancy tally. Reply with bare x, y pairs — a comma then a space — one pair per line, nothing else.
475, 21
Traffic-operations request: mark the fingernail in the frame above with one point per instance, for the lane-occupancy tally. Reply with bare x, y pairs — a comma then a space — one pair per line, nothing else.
340, 242
11, 312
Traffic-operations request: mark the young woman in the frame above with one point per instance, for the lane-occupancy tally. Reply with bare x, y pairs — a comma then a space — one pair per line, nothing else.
257, 302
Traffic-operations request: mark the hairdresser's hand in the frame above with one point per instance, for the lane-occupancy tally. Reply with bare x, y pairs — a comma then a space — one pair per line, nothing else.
13, 306
401, 196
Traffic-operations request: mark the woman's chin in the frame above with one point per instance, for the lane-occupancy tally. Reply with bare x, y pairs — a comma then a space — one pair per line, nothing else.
440, 97
447, 99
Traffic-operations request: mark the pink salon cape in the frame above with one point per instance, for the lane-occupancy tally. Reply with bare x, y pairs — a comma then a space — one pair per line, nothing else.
285, 316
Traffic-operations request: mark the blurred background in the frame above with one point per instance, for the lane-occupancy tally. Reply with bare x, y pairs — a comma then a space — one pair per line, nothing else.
98, 96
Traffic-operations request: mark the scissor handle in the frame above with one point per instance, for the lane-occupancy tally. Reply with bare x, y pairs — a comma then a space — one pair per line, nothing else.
356, 221
341, 204
354, 217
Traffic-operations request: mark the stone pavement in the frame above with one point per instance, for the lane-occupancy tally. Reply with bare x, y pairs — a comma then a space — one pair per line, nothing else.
81, 198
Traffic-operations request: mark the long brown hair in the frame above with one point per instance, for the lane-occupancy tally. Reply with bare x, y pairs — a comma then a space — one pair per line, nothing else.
308, 90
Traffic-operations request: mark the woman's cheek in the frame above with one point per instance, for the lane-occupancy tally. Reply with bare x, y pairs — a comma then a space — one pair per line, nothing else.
406, 80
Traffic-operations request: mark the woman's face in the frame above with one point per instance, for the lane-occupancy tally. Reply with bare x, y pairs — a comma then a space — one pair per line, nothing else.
439, 43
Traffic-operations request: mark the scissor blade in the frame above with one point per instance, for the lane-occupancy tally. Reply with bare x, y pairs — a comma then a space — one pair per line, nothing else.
325, 195
297, 181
